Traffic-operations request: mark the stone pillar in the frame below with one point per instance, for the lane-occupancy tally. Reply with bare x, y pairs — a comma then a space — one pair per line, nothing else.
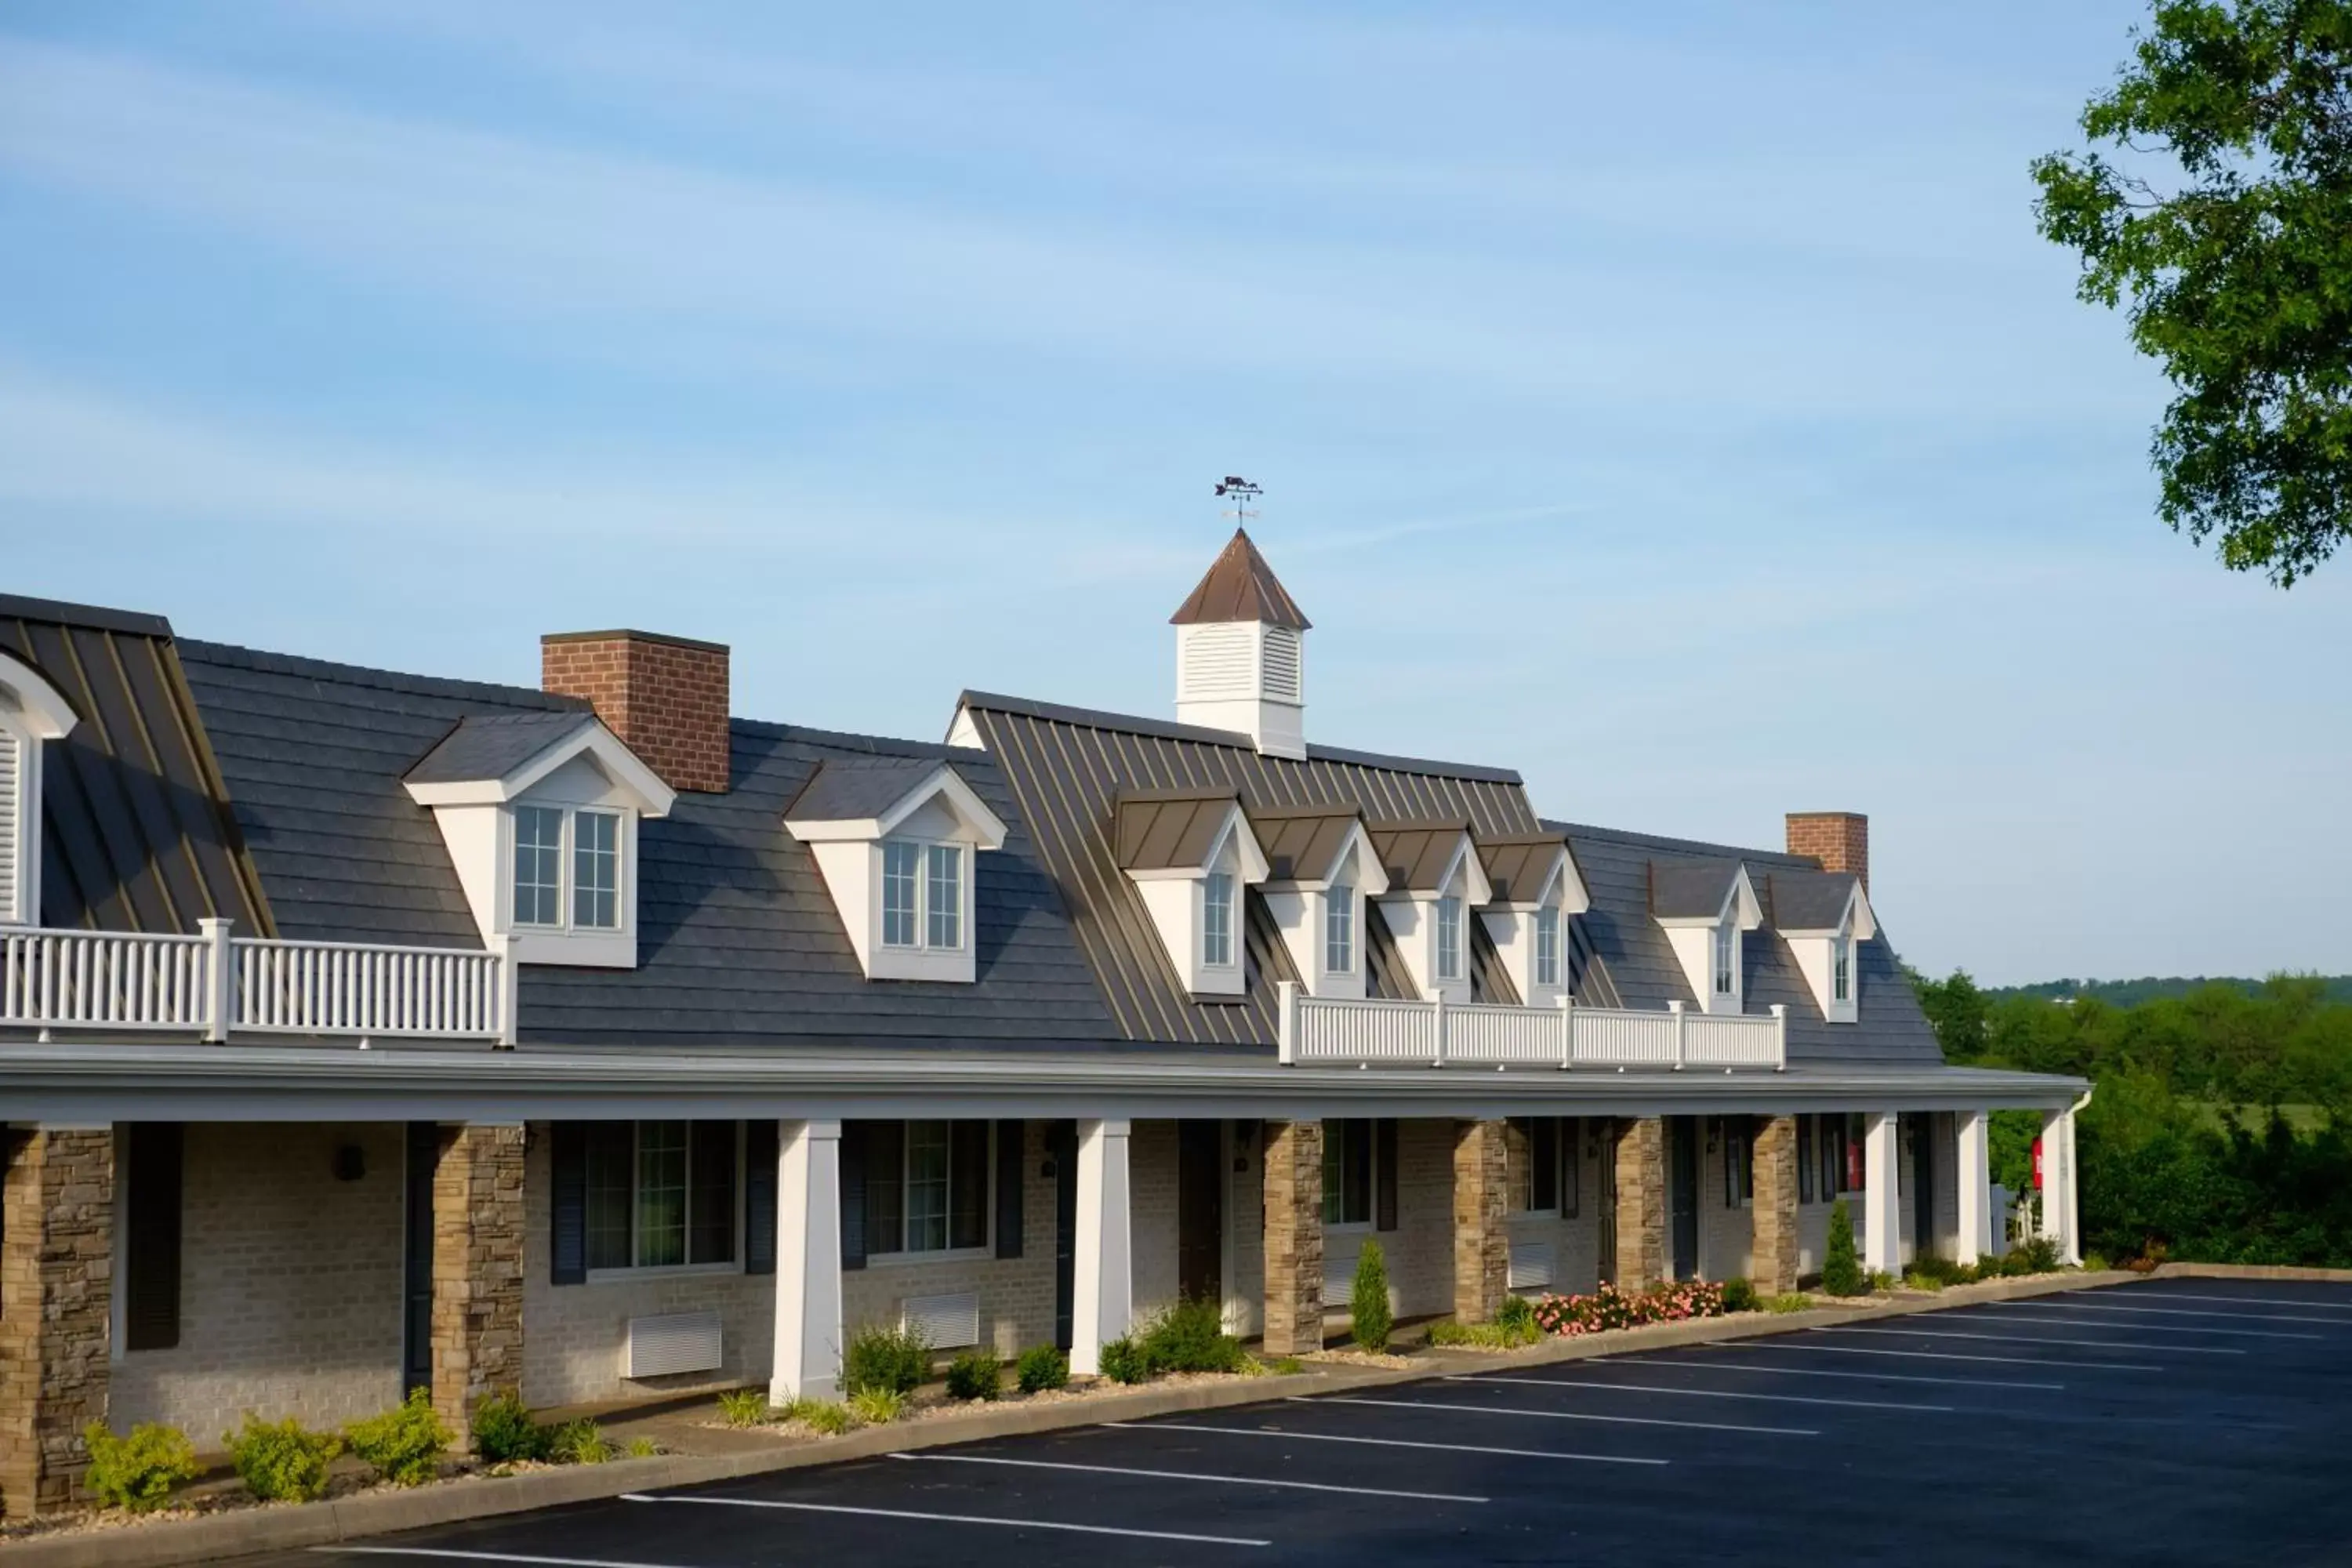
1882, 1220
56, 1295
1294, 1237
1774, 1160
1102, 1296
1641, 1202
477, 1228
1975, 1188
808, 1263
1482, 1247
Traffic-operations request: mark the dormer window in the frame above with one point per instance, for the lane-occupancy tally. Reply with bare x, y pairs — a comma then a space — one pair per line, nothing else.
1537, 886
539, 835
1449, 939
1217, 920
1547, 945
1434, 876
1190, 853
1705, 906
1321, 868
893, 838
31, 712
1340, 928
1727, 959
1841, 968
1822, 915
922, 895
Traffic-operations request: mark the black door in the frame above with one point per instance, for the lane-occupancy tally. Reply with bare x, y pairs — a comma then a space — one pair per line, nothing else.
416, 1320
1062, 1147
1200, 1211
1608, 1269
1923, 1185
1682, 1193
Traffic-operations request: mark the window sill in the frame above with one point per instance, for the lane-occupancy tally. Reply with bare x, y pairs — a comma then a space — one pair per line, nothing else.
662, 1271
947, 1255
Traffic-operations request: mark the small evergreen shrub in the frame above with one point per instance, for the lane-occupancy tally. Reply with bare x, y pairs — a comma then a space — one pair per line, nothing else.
975, 1374
1517, 1316
1368, 1317
1189, 1337
138, 1472
505, 1434
1042, 1367
893, 1359
877, 1406
1124, 1361
581, 1442
278, 1460
1841, 1270
404, 1444
1739, 1295
743, 1406
825, 1418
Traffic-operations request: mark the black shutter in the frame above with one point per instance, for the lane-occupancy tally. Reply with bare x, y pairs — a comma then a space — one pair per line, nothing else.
760, 1196
1012, 1169
150, 1317
1385, 1173
853, 1195
567, 1248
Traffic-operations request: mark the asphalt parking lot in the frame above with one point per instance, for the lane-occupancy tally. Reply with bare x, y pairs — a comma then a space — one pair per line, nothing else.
2189, 1420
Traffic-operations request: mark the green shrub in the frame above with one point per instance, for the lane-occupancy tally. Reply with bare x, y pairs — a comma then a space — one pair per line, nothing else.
404, 1444
1517, 1316
1042, 1367
1739, 1295
1841, 1270
1789, 1301
1880, 1279
505, 1434
1189, 1337
826, 1417
744, 1406
644, 1448
278, 1460
975, 1374
2034, 1255
1935, 1272
138, 1472
877, 1406
1370, 1320
1283, 1366
893, 1359
2096, 1263
581, 1442
1505, 1332
1124, 1361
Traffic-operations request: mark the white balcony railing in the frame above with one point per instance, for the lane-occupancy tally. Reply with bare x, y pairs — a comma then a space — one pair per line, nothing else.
1433, 1034
215, 984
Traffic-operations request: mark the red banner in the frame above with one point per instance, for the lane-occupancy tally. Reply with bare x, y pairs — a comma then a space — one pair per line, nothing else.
2037, 1165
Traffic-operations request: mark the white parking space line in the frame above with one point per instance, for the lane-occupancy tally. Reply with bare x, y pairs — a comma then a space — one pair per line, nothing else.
1702, 1393
1719, 1363
1376, 1442
945, 1517
2236, 1301
2049, 1304
2034, 1339
447, 1553
1559, 1415
1960, 1355
1186, 1475
2164, 1328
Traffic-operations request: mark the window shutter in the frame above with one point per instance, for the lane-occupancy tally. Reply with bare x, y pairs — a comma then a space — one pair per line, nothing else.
760, 1152
1010, 1170
1385, 1173
150, 1317
853, 1195
567, 1249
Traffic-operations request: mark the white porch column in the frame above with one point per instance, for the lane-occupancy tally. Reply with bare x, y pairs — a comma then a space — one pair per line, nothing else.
1882, 1219
1975, 1187
1102, 1299
808, 1262
2056, 1214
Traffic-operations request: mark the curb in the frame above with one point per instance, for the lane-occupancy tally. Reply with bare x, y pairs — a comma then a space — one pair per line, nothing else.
2249, 1271
292, 1527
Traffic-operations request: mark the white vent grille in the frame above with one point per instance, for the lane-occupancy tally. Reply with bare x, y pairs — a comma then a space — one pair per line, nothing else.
946, 1322
1216, 662
1281, 664
11, 784
1531, 1265
673, 1343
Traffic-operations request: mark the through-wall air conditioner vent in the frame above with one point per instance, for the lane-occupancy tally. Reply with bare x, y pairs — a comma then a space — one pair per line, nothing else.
1531, 1265
671, 1343
946, 1322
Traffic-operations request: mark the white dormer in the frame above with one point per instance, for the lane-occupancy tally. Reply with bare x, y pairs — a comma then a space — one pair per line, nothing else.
1435, 881
1825, 917
1323, 869
895, 839
1706, 908
540, 812
1537, 886
1241, 653
31, 712
1192, 857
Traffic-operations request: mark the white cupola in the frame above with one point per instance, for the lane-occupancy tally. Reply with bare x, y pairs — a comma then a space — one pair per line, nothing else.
1240, 653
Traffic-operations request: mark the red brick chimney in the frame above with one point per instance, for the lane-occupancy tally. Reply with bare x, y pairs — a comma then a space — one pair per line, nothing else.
1839, 840
665, 697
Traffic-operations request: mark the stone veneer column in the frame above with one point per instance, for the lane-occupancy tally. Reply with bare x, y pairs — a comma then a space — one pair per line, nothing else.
478, 1226
1294, 1237
1773, 1158
57, 1292
1482, 1248
1641, 1202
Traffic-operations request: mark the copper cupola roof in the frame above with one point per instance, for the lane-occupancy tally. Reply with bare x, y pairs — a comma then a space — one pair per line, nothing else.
1240, 586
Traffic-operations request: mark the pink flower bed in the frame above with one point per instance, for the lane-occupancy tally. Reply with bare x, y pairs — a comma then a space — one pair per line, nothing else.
1610, 1307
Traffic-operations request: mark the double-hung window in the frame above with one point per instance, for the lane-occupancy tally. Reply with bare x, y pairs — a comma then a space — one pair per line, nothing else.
1449, 938
661, 1194
1547, 945
1842, 969
1535, 1164
926, 1185
922, 895
1347, 1156
1738, 1176
1217, 920
1726, 936
542, 834
1340, 928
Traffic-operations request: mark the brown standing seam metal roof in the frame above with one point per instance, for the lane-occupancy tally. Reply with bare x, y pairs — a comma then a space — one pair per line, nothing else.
1301, 841
1416, 855
1159, 830
1240, 586
1517, 866
136, 831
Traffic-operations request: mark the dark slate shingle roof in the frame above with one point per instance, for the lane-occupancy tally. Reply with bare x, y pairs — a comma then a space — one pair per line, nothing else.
1690, 889
492, 745
855, 789
1806, 900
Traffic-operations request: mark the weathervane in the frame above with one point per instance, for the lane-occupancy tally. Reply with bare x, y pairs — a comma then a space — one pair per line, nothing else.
1241, 493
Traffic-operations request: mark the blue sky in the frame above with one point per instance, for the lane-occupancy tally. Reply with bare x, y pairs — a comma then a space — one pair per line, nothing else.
1670, 401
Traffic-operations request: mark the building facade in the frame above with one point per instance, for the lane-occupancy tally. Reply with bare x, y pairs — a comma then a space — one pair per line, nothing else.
363, 1031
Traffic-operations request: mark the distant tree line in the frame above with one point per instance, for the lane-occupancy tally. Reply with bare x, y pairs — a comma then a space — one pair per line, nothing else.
2149, 988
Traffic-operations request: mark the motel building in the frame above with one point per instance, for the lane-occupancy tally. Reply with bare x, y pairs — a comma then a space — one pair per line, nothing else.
362, 1031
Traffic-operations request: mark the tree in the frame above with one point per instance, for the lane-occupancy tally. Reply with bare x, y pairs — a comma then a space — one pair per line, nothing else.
2230, 231
1956, 1011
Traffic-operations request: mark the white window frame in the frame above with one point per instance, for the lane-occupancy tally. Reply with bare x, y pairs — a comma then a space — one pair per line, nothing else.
1564, 1154
1370, 1224
986, 1247
1211, 906
1339, 928
1842, 969
567, 869
740, 1242
1447, 939
925, 848
1726, 956
1548, 922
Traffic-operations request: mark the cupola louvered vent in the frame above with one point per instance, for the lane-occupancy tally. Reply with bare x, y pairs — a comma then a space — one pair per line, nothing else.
1281, 664
1217, 662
